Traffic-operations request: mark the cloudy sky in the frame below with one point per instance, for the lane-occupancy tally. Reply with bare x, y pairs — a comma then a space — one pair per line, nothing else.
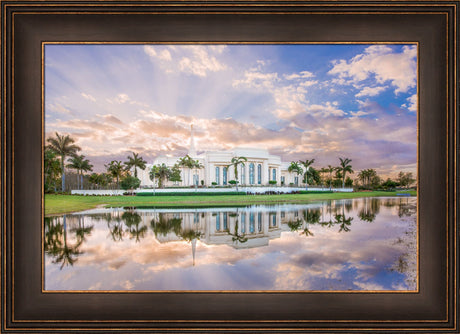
299, 101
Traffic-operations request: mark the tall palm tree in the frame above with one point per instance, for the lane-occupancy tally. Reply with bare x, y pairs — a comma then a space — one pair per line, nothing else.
362, 176
330, 169
85, 167
152, 175
187, 162
80, 164
235, 162
197, 165
115, 169
344, 168
75, 163
63, 146
307, 163
135, 161
294, 167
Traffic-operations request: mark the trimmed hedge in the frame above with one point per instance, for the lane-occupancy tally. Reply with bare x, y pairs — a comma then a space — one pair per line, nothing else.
315, 192
191, 193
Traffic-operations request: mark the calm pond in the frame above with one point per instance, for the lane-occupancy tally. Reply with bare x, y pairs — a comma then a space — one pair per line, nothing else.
357, 244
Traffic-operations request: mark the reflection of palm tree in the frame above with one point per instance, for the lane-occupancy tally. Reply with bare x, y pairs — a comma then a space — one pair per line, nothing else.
344, 222
132, 221
191, 236
116, 230
81, 231
310, 216
53, 235
237, 237
66, 253
329, 223
404, 209
370, 209
115, 225
295, 225
164, 225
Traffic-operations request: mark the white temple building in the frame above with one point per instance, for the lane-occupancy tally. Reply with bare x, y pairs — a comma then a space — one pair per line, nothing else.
260, 168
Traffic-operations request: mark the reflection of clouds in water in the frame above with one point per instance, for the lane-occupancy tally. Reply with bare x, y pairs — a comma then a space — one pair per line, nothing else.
329, 260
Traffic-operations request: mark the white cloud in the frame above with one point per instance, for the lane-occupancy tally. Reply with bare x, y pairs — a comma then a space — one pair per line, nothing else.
412, 100
358, 113
399, 69
88, 97
255, 79
122, 98
303, 74
197, 60
370, 91
308, 83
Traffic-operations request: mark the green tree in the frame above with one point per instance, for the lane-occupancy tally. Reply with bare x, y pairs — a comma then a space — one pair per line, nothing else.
175, 174
187, 162
130, 183
153, 175
369, 178
405, 179
52, 170
116, 170
344, 168
197, 165
80, 164
295, 167
99, 179
135, 161
235, 162
312, 174
390, 184
330, 169
307, 164
63, 146
162, 172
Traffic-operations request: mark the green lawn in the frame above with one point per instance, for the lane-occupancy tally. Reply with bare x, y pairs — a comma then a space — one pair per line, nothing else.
58, 204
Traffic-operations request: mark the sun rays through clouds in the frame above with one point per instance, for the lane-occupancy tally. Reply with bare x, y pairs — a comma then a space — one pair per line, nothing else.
299, 101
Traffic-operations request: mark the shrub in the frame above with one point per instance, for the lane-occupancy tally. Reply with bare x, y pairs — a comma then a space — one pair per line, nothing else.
272, 182
232, 182
130, 182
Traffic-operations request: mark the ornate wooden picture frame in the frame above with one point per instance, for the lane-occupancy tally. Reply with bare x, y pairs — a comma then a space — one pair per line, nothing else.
26, 25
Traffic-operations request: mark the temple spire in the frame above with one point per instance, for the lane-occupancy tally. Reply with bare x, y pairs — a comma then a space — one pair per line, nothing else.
192, 150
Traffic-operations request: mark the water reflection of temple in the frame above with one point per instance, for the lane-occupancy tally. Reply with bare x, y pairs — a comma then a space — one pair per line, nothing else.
239, 228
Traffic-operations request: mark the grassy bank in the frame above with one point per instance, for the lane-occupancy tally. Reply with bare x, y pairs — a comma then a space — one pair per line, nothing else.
58, 204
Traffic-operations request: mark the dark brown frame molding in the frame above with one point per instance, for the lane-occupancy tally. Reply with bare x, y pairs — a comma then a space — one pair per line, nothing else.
26, 25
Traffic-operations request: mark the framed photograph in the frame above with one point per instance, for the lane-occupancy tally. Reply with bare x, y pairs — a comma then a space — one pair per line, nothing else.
244, 166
